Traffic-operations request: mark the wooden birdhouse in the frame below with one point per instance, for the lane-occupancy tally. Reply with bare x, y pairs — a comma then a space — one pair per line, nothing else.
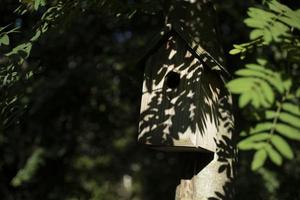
182, 88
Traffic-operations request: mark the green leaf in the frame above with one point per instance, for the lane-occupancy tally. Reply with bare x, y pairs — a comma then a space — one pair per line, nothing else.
258, 159
239, 85
267, 91
260, 14
30, 168
4, 40
274, 24
237, 46
36, 36
24, 49
298, 93
258, 94
287, 84
250, 141
250, 72
278, 30
254, 23
243, 134
39, 3
261, 92
278, 7
282, 146
261, 61
270, 179
255, 101
244, 99
256, 33
291, 108
287, 15
258, 137
264, 126
277, 82
288, 131
290, 119
267, 37
243, 54
274, 156
273, 78
270, 114
257, 67
250, 145
234, 51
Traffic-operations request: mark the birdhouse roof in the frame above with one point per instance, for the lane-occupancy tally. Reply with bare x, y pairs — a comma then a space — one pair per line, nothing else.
195, 48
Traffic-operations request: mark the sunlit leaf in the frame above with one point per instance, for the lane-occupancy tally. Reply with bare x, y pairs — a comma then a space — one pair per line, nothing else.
282, 146
38, 3
28, 171
250, 145
261, 61
287, 84
285, 117
292, 108
249, 72
23, 49
239, 85
234, 51
244, 99
256, 34
274, 156
250, 140
259, 159
4, 40
267, 91
288, 131
259, 94
264, 126
257, 71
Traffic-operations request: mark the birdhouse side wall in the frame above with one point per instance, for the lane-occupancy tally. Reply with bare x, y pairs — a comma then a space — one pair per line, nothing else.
183, 115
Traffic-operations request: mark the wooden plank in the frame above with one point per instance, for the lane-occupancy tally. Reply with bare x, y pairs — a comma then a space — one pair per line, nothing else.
183, 116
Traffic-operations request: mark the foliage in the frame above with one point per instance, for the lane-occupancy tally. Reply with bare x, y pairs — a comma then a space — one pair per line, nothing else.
69, 96
32, 165
268, 91
70, 91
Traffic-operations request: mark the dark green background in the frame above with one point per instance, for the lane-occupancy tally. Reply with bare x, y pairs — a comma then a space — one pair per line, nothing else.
83, 108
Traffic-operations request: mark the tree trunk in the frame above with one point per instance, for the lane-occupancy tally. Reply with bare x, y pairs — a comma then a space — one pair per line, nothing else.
207, 176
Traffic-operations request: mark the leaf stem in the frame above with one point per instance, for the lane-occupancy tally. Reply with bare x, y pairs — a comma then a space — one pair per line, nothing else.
277, 115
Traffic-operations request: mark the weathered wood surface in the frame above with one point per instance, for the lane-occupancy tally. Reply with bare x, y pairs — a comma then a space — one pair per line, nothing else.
197, 113
184, 116
214, 180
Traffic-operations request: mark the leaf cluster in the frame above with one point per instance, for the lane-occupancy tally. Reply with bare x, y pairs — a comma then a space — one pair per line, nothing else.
269, 93
276, 24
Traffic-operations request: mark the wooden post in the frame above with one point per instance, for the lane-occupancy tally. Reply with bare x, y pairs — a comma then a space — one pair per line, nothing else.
211, 175
185, 105
207, 176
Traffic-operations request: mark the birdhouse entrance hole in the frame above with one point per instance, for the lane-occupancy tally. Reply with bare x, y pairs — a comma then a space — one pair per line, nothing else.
172, 80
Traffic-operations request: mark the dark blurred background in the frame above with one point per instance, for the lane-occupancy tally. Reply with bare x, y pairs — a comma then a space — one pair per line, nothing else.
79, 127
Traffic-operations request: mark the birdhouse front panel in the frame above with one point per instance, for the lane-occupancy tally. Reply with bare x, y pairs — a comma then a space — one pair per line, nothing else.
179, 106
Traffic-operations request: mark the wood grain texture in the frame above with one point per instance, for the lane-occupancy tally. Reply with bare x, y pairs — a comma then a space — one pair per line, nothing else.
214, 179
196, 116
184, 116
